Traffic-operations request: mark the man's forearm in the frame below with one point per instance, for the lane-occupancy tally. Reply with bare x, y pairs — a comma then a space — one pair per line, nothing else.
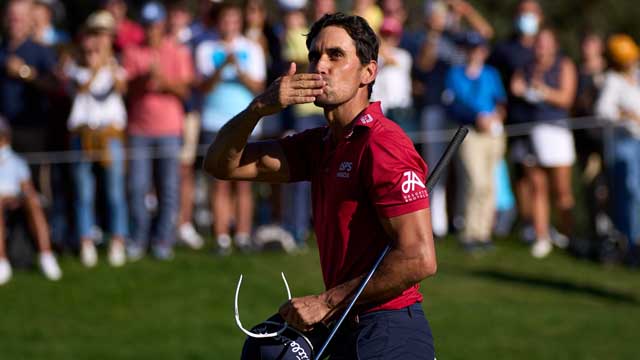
225, 153
398, 271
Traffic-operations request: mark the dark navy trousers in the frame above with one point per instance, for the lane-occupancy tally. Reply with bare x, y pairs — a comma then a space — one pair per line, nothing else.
385, 335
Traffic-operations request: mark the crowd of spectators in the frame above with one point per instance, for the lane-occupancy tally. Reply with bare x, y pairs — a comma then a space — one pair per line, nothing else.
126, 105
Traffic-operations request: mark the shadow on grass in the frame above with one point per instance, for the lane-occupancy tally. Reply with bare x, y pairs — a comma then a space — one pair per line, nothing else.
556, 284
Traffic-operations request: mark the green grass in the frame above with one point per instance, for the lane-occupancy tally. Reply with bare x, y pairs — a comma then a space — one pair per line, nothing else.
502, 306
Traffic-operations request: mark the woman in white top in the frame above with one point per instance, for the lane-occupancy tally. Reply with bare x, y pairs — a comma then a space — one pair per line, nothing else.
619, 102
97, 122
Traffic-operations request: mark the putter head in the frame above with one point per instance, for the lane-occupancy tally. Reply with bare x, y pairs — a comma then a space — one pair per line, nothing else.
291, 344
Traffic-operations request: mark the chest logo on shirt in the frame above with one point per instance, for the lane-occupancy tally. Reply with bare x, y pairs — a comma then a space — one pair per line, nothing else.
366, 118
344, 171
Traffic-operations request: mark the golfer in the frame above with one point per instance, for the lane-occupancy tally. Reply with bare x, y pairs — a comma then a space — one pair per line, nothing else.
367, 187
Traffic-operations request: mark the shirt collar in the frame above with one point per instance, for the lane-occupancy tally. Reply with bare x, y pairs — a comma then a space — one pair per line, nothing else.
367, 118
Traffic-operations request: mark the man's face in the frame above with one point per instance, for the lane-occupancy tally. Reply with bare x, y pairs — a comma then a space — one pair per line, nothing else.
230, 23
117, 8
332, 54
18, 18
155, 31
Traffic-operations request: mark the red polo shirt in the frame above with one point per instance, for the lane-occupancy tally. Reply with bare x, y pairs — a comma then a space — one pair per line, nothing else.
372, 172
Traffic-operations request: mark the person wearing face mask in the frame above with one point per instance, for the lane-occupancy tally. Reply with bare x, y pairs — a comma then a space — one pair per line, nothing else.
508, 56
18, 193
619, 102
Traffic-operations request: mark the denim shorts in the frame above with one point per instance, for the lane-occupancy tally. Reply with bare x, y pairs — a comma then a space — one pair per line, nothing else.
386, 334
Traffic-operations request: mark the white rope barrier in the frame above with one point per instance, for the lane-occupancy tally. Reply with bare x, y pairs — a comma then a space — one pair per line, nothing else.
418, 137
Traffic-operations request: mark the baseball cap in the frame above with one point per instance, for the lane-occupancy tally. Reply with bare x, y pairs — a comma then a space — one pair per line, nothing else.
292, 5
100, 20
289, 345
472, 39
152, 12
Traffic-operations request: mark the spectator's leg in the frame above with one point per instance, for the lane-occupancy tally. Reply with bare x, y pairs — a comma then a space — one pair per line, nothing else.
115, 191
84, 208
434, 118
187, 157
539, 201
139, 185
37, 220
221, 205
186, 193
167, 183
3, 231
244, 213
564, 201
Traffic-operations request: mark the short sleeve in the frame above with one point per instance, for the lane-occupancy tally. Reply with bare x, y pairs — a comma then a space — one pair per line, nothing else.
395, 177
129, 63
22, 171
257, 66
299, 152
500, 95
204, 63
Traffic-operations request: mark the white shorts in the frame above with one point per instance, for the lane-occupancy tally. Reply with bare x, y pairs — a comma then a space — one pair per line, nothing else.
553, 145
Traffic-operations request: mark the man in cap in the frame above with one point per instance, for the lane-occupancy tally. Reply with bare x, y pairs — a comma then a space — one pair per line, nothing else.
17, 192
367, 188
475, 98
160, 73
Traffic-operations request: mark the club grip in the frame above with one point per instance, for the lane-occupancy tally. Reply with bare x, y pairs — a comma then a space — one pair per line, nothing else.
451, 149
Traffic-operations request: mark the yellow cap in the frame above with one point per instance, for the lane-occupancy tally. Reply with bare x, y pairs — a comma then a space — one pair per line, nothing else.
622, 49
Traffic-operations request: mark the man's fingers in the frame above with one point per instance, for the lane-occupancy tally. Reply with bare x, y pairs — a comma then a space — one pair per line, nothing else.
305, 92
306, 76
308, 84
292, 69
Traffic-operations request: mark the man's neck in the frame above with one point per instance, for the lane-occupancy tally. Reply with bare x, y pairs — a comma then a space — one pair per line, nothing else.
16, 41
340, 118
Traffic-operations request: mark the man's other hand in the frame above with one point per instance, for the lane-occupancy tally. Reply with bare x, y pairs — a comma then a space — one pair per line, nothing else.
304, 312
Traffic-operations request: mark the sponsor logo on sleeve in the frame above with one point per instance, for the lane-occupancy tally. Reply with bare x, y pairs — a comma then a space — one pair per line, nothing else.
412, 187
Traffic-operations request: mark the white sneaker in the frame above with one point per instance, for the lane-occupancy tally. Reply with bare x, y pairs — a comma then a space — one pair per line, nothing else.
541, 248
117, 256
88, 254
188, 235
5, 271
49, 266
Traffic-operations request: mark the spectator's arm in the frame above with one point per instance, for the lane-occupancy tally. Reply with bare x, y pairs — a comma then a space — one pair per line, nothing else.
428, 53
35, 216
563, 96
255, 86
518, 84
607, 103
473, 17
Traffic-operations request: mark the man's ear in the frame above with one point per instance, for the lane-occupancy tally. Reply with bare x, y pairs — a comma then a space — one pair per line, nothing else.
369, 72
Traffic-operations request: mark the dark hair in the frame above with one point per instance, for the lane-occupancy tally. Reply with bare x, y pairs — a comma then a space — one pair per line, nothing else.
358, 29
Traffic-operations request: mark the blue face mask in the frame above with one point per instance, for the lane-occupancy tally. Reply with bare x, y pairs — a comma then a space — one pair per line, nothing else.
527, 24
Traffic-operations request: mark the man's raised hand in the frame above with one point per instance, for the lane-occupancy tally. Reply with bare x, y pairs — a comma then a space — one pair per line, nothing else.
289, 89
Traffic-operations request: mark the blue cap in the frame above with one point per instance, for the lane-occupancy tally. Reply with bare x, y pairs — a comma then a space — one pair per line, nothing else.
152, 12
472, 39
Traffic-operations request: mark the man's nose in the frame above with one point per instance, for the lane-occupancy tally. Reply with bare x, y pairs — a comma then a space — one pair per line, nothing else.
322, 65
